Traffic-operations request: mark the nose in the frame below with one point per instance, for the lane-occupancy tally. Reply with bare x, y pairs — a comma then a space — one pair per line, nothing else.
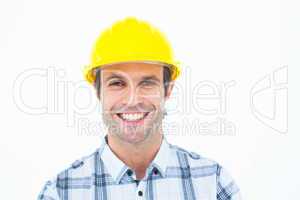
132, 96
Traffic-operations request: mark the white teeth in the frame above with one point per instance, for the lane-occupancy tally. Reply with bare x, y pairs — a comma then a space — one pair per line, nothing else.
132, 117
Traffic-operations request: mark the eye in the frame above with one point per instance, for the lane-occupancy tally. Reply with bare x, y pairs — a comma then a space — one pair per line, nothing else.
116, 83
148, 83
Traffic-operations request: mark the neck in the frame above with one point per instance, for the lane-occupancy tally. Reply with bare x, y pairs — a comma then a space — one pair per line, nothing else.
136, 156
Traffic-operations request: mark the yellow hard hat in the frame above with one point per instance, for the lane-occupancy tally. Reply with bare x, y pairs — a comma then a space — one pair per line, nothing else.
131, 40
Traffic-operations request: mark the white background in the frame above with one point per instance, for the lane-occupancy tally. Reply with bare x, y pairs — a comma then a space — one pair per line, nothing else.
247, 42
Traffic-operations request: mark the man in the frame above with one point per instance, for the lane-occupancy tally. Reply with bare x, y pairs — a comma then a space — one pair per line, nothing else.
133, 71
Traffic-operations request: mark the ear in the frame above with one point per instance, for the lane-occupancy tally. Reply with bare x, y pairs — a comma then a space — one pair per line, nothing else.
98, 95
169, 90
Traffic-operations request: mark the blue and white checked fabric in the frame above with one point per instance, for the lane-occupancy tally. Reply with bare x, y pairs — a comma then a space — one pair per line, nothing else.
174, 174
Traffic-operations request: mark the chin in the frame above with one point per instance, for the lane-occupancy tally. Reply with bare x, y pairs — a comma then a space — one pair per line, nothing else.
133, 137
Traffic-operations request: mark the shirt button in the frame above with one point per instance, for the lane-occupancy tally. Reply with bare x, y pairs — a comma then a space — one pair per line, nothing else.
137, 182
140, 193
155, 171
129, 172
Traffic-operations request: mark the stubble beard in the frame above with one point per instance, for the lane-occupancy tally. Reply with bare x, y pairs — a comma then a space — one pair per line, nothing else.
116, 130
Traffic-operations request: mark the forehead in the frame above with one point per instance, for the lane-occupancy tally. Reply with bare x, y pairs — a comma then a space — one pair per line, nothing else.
133, 70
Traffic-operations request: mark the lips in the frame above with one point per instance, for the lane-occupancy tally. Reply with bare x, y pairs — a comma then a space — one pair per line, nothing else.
133, 117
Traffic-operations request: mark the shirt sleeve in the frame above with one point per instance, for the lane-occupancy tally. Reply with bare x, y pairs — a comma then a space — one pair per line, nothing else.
226, 186
49, 191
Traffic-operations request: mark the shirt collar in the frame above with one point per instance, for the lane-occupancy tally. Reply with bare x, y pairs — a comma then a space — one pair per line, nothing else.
162, 158
117, 168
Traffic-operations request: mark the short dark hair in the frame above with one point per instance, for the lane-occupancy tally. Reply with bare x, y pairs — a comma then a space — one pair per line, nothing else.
166, 80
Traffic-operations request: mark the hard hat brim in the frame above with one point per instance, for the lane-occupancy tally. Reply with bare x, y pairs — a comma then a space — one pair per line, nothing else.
90, 71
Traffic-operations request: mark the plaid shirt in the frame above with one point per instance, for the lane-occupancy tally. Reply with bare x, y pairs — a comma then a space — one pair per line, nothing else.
174, 174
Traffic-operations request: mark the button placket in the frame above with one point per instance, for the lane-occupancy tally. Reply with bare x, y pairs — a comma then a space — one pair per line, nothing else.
140, 190
140, 193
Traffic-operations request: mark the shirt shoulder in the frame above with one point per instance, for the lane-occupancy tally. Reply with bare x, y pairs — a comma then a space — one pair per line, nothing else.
80, 170
193, 159
200, 166
80, 167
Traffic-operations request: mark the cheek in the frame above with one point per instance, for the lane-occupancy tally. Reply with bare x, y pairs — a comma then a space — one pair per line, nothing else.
153, 94
109, 99
156, 96
156, 101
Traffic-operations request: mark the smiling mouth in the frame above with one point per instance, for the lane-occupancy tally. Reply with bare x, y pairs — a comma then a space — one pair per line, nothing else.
133, 117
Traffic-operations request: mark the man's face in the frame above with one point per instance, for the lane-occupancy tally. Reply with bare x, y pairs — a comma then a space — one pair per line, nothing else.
132, 96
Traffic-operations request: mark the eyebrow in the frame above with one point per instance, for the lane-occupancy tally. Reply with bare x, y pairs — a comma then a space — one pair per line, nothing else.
151, 77
113, 75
